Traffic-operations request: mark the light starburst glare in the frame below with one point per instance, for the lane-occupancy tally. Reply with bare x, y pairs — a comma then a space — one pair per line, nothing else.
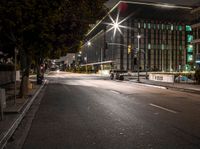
116, 25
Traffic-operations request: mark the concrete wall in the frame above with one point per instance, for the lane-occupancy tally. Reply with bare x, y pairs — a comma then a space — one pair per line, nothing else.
6, 77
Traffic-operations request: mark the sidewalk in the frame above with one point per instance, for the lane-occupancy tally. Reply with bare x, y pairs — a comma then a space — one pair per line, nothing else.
14, 113
187, 87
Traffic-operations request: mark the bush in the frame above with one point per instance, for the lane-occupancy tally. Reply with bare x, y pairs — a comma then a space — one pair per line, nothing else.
197, 76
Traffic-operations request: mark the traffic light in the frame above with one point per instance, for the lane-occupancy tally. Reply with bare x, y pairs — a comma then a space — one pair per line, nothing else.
129, 49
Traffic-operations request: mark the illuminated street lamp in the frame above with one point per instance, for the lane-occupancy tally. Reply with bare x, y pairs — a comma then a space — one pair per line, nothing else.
89, 43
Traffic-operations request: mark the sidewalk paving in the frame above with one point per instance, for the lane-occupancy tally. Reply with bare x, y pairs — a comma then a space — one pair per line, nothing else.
184, 86
14, 113
188, 87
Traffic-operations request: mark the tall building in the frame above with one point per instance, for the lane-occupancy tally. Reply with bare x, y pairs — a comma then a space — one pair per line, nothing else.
196, 33
164, 42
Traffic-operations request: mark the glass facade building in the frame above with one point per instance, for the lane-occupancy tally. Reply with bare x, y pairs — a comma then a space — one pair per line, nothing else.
165, 42
196, 35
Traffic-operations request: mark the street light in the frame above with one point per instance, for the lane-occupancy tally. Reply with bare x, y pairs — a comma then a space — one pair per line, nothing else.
138, 55
15, 92
89, 43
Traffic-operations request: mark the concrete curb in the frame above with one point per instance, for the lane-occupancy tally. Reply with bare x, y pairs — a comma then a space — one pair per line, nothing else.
6, 136
155, 86
149, 85
184, 90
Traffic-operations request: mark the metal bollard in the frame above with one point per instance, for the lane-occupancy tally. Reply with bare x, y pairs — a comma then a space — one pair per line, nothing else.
2, 101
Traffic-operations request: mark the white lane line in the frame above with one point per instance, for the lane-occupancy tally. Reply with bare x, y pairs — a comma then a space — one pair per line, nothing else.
169, 110
114, 92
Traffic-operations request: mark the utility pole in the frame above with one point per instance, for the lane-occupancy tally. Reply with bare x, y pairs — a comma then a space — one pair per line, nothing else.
138, 56
85, 58
146, 76
15, 91
101, 60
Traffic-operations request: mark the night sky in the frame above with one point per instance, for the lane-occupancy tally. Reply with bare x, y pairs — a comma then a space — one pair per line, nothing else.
111, 3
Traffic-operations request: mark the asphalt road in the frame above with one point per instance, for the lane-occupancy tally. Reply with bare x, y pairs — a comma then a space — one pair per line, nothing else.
88, 112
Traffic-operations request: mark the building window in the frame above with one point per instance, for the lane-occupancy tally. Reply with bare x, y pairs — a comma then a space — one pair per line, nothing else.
149, 25
158, 26
154, 26
162, 26
189, 38
163, 46
167, 27
145, 25
139, 25
190, 48
149, 46
188, 28
180, 28
190, 58
172, 27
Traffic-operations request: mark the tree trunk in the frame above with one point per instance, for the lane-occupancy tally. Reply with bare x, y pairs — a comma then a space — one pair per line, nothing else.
25, 67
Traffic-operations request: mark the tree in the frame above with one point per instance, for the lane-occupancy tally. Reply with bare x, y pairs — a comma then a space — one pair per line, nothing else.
41, 28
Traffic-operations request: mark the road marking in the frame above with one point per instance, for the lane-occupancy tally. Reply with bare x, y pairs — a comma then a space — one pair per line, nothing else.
169, 110
114, 92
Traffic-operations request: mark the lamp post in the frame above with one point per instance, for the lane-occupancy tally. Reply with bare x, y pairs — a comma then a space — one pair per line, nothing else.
15, 92
138, 56
89, 44
85, 58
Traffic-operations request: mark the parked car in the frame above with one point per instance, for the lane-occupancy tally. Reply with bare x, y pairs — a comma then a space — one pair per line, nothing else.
181, 78
117, 74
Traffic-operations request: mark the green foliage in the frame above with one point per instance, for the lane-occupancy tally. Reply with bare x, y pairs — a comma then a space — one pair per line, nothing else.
42, 27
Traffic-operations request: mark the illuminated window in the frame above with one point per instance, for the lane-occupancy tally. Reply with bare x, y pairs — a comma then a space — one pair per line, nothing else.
190, 58
172, 27
180, 28
188, 28
149, 46
163, 46
145, 25
158, 26
149, 25
139, 25
162, 26
190, 48
189, 38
